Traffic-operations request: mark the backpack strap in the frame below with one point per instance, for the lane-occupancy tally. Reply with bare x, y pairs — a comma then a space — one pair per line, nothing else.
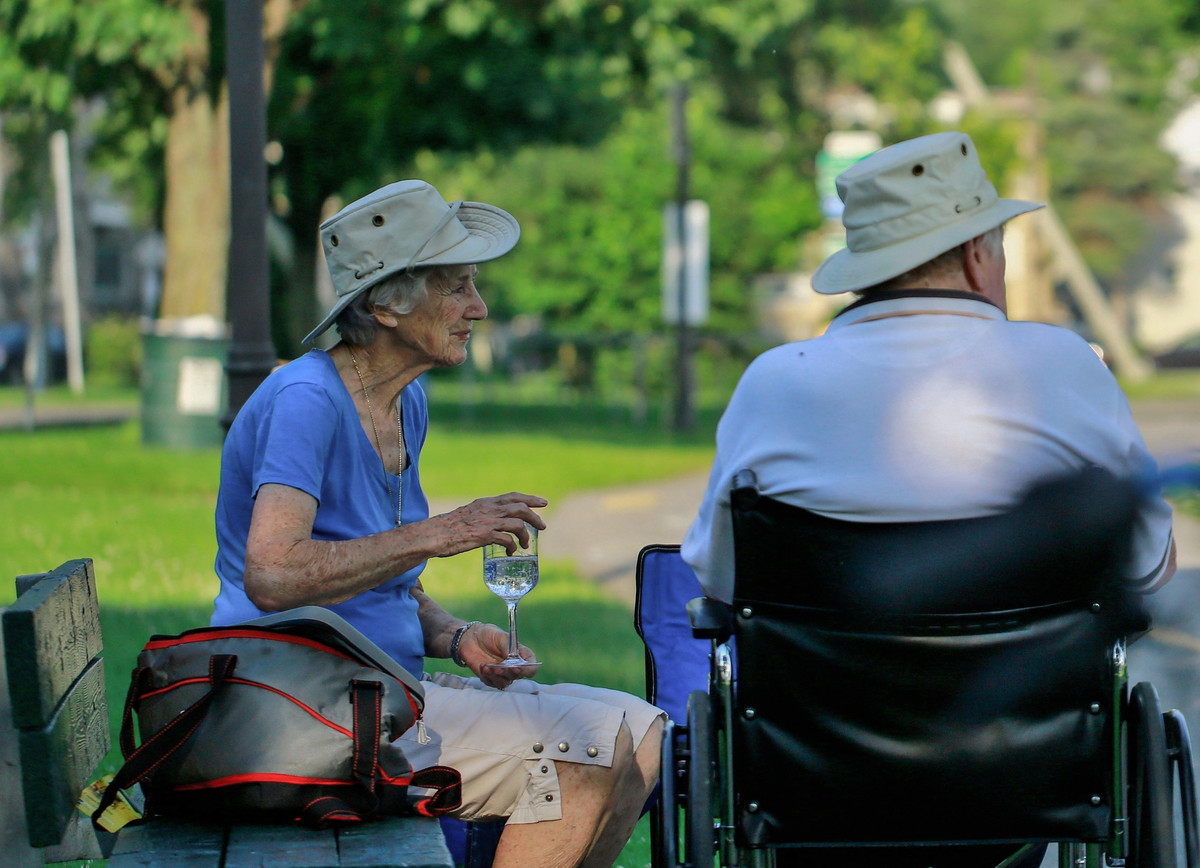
166, 741
367, 699
324, 811
446, 784
132, 696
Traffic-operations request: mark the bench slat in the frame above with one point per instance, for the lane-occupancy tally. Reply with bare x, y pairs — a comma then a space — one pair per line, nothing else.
51, 634
164, 843
285, 846
415, 842
58, 760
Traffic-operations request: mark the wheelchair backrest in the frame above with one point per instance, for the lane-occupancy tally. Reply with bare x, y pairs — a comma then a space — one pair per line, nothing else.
930, 682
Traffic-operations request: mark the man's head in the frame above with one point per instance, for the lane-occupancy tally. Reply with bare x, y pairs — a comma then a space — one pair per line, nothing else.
912, 204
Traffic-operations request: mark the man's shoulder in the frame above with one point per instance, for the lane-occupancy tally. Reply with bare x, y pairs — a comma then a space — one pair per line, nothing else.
1048, 338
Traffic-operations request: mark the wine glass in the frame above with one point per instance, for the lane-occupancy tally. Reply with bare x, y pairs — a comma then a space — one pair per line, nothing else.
510, 577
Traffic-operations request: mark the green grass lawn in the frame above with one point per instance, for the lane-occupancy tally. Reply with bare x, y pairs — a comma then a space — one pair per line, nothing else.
145, 516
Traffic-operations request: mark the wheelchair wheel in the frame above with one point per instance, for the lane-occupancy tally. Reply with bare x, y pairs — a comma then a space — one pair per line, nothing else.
1179, 748
1151, 807
700, 838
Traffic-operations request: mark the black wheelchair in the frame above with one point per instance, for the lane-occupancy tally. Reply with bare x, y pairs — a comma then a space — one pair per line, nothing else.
946, 693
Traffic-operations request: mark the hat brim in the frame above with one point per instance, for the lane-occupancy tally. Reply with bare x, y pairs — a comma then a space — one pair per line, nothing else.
491, 233
849, 271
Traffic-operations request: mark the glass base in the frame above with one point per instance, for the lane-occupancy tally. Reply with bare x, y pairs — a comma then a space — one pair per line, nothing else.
513, 663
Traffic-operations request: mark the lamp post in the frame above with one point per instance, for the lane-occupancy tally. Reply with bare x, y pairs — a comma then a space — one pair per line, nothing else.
251, 353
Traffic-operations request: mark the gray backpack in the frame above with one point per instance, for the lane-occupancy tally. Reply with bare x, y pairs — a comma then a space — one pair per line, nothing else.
291, 717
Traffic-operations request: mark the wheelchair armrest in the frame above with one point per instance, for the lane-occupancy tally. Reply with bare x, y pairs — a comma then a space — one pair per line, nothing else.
710, 619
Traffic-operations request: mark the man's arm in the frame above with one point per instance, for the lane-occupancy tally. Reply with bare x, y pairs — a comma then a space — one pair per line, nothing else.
1150, 583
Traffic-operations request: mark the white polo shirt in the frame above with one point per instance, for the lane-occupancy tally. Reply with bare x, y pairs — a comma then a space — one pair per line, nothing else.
922, 405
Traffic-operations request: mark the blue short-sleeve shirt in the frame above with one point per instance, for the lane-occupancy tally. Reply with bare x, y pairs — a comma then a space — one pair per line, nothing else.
300, 428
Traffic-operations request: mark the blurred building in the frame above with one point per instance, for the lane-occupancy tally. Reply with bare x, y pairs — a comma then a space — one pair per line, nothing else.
1166, 307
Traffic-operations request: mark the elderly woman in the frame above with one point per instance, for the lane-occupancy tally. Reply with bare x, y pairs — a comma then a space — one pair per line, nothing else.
321, 504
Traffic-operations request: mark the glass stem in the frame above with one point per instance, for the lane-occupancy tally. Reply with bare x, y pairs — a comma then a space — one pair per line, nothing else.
512, 629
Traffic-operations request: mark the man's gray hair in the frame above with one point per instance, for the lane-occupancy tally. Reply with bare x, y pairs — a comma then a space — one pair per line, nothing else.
944, 263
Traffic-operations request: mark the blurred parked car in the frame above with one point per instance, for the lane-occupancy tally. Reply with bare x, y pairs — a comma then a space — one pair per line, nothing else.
1185, 354
14, 338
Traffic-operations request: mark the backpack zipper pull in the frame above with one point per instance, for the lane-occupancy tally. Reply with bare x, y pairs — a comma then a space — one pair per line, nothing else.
422, 735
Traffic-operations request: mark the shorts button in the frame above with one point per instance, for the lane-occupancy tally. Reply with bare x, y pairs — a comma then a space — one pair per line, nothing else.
591, 751
563, 746
545, 770
537, 747
549, 798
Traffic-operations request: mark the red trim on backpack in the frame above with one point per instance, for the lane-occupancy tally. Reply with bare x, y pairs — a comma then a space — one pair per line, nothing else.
274, 778
313, 712
244, 633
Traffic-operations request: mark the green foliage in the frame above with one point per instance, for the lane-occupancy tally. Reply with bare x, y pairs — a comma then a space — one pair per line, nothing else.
114, 351
589, 258
899, 64
1104, 72
58, 55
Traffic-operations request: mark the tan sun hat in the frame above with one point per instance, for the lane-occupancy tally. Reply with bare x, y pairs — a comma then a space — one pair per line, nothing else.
907, 204
401, 226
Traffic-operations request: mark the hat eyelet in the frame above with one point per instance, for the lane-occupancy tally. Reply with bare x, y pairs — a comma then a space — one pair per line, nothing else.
958, 209
333, 239
377, 219
918, 170
963, 148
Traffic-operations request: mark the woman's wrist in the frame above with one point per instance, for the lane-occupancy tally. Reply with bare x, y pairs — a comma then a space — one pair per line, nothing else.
456, 643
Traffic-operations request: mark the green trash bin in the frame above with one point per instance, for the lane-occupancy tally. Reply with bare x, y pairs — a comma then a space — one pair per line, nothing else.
184, 389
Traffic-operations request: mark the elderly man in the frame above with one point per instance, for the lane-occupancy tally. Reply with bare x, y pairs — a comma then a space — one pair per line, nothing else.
922, 401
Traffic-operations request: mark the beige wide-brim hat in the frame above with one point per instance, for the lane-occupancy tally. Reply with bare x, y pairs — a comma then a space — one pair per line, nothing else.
907, 204
402, 226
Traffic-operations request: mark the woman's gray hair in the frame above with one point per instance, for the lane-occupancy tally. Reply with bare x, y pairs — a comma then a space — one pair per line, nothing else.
399, 293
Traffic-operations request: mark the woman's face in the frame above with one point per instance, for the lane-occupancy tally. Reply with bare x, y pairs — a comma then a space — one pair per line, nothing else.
439, 327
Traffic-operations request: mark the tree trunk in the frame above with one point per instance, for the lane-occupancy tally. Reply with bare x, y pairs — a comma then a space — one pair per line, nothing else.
196, 211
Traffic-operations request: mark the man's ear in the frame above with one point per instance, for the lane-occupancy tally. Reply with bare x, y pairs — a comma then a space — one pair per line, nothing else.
975, 254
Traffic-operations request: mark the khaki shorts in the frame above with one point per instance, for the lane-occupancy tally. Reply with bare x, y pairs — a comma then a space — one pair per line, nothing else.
505, 743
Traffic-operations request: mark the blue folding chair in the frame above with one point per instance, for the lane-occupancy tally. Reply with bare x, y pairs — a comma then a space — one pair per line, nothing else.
676, 661
472, 845
677, 664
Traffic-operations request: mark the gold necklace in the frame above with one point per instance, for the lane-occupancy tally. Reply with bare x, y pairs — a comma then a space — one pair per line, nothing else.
379, 444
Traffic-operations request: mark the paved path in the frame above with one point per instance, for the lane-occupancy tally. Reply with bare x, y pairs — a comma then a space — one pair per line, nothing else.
15, 418
603, 531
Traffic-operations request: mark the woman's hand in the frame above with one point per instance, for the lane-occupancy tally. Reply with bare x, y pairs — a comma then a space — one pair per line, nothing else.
487, 643
490, 520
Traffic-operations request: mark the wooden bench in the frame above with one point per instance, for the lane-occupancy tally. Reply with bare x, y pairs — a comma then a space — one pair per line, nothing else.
54, 733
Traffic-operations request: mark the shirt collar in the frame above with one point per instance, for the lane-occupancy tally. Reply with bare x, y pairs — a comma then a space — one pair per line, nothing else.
913, 301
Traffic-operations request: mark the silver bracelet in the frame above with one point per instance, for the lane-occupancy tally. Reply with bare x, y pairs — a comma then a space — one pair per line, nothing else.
457, 640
